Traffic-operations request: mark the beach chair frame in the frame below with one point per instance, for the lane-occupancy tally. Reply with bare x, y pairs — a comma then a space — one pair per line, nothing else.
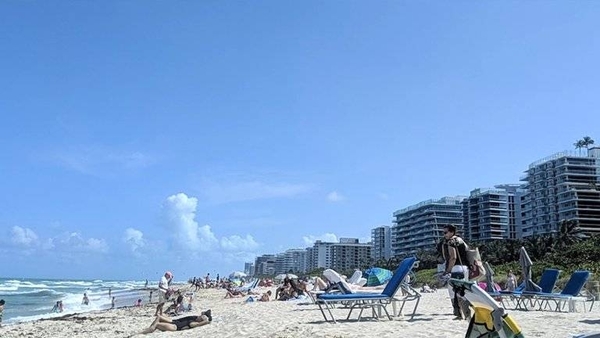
375, 301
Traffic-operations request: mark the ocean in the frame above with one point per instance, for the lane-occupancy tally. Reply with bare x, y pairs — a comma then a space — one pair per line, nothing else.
32, 299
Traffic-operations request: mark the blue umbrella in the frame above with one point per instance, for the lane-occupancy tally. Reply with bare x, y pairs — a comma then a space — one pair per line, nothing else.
377, 276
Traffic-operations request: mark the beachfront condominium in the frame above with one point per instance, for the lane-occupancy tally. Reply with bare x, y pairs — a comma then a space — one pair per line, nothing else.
419, 227
292, 260
346, 254
493, 213
564, 186
249, 268
381, 241
264, 265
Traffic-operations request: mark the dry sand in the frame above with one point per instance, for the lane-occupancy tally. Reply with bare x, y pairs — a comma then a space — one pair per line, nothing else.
235, 318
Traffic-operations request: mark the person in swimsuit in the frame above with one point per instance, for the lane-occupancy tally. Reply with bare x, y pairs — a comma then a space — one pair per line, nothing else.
163, 323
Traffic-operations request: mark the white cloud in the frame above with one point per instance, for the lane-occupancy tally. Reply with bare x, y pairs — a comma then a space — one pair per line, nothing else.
227, 192
75, 242
327, 237
335, 196
237, 243
23, 236
135, 239
99, 159
179, 212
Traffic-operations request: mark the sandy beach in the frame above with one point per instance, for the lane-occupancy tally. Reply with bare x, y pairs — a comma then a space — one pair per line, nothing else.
236, 318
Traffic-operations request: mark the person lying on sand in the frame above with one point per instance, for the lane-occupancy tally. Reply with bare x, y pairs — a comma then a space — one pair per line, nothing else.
163, 323
232, 293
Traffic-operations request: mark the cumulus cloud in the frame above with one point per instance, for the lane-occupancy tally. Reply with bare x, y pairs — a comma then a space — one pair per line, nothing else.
237, 243
23, 236
134, 238
179, 212
327, 237
236, 191
335, 196
75, 242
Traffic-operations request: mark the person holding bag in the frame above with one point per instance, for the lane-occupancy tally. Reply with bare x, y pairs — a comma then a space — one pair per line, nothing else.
454, 250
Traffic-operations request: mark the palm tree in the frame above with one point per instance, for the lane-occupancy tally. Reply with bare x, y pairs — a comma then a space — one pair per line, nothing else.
578, 145
569, 233
587, 141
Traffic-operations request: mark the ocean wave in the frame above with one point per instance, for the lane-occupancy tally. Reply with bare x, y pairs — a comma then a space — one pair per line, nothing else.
24, 284
30, 293
8, 288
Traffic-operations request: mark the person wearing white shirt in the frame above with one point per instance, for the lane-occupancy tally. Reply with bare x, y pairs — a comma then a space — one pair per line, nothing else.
163, 291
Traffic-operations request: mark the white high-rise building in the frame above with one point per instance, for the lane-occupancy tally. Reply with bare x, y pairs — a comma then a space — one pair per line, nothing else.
381, 240
419, 227
564, 186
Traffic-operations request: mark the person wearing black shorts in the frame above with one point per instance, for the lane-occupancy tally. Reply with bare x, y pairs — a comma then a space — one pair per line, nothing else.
163, 323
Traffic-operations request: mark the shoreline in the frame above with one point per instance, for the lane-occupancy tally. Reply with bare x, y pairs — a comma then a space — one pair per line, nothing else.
233, 317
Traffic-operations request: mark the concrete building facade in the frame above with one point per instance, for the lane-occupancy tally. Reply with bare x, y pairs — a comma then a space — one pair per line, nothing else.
419, 227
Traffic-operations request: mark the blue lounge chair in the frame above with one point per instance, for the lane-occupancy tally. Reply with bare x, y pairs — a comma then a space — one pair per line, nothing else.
547, 283
569, 294
371, 300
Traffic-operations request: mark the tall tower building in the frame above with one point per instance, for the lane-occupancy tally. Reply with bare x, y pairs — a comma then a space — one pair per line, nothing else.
493, 213
564, 186
381, 241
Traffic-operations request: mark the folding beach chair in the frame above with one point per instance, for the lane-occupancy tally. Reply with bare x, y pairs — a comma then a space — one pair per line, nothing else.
373, 301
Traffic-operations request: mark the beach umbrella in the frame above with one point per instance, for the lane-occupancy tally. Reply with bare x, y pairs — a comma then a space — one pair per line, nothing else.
526, 264
237, 274
282, 276
377, 276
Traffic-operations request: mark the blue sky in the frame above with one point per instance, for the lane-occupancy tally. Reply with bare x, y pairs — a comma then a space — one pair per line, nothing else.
142, 136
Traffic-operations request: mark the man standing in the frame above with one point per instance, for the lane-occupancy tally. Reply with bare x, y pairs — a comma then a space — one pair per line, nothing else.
454, 250
163, 289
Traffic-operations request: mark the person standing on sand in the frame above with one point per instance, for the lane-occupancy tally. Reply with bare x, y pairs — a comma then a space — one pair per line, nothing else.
163, 290
112, 306
511, 281
454, 250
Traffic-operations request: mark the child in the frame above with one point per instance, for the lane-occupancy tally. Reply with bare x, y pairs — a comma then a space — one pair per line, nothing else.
1, 310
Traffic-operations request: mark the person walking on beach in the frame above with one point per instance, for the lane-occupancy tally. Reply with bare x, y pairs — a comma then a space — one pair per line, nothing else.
454, 250
163, 292
86, 300
109, 292
1, 310
112, 304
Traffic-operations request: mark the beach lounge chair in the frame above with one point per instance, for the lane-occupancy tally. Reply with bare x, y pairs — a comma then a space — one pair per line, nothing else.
248, 287
374, 301
357, 279
522, 297
569, 294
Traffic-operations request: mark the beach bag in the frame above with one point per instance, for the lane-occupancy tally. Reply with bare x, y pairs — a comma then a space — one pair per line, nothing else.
476, 269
